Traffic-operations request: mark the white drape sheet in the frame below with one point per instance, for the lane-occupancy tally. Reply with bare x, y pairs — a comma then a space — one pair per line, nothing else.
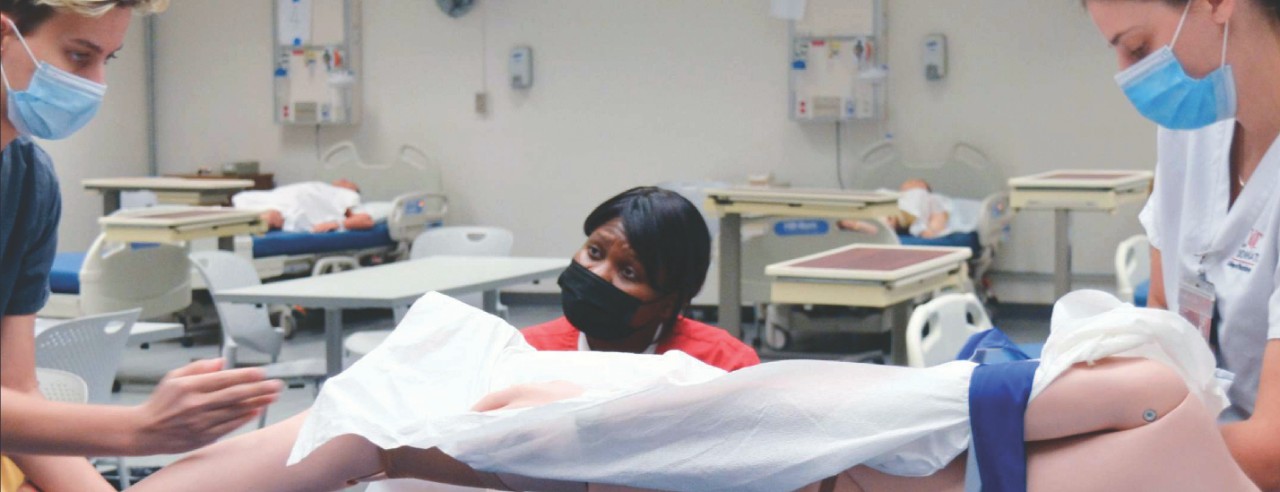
669, 422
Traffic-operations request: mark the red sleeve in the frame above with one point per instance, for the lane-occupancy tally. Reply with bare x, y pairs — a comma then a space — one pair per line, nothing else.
557, 334
711, 345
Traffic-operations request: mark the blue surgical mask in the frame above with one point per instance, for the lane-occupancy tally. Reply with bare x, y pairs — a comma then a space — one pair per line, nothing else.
1163, 92
55, 104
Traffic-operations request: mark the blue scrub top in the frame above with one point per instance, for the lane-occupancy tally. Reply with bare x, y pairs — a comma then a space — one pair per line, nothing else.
30, 208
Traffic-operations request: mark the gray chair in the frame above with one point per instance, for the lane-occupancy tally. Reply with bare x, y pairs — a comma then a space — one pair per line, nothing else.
249, 325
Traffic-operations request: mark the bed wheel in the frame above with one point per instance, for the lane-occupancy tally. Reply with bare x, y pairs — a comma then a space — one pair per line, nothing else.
187, 342
288, 325
776, 338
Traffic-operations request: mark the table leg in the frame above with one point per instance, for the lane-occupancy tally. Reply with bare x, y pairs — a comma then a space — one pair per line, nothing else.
490, 301
227, 243
333, 341
1061, 253
110, 201
730, 313
895, 319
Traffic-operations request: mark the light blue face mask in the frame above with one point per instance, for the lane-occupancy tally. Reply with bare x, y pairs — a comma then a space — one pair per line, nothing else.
1163, 92
55, 104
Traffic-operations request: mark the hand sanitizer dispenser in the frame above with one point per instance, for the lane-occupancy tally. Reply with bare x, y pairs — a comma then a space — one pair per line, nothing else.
521, 67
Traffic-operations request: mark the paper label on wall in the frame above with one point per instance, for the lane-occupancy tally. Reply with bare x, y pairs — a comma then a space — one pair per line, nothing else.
328, 25
293, 19
837, 18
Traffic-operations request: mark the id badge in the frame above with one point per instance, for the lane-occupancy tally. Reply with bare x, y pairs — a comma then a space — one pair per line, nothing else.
1195, 304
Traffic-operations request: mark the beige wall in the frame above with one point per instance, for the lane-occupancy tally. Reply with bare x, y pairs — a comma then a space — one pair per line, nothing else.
630, 92
113, 144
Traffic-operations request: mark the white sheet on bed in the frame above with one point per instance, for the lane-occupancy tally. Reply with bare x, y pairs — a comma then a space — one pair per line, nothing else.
669, 422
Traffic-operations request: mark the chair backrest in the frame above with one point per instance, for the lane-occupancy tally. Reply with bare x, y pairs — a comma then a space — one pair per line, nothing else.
949, 320
62, 386
242, 324
120, 276
1133, 265
463, 241
90, 347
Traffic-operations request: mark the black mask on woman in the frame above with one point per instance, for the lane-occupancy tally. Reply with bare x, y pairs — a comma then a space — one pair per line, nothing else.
595, 306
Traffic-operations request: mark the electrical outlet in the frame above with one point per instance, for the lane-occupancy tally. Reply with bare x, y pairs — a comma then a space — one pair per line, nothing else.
482, 103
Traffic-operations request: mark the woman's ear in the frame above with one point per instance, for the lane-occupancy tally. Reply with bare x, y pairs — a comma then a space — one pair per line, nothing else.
1222, 10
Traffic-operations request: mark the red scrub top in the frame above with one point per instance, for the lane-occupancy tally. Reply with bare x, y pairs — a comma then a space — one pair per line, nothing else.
704, 342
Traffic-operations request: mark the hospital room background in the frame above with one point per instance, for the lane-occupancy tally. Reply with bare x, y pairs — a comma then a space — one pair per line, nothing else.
625, 93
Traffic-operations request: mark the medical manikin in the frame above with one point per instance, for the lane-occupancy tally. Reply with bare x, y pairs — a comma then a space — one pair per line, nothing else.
1121, 400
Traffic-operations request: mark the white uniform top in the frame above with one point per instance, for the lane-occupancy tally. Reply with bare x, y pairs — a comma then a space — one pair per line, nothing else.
1188, 219
304, 205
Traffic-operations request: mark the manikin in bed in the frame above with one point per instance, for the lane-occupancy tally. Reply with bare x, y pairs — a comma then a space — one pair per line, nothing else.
1123, 399
312, 206
925, 214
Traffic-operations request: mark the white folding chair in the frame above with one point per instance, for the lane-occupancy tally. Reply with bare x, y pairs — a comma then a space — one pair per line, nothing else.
949, 321
249, 325
441, 241
1133, 265
90, 349
62, 386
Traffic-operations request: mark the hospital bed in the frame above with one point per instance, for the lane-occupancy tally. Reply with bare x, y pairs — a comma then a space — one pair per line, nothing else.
140, 261
971, 179
404, 197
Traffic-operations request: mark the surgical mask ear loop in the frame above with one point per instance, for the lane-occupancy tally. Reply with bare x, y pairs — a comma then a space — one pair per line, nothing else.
1226, 31
30, 53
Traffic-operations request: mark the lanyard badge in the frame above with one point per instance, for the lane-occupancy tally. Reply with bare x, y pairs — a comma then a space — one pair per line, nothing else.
1196, 299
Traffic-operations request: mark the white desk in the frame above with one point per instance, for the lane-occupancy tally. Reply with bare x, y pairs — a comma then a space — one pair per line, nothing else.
396, 285
173, 191
732, 203
877, 276
1066, 191
174, 225
141, 333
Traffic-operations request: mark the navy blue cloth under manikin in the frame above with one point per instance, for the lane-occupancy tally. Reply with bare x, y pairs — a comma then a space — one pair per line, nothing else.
999, 391
998, 396
279, 243
990, 347
955, 239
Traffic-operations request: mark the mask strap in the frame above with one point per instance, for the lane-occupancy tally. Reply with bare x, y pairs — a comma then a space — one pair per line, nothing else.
1226, 30
1178, 32
4, 76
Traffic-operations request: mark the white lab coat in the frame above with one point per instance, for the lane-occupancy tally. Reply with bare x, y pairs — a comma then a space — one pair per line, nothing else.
304, 205
1236, 247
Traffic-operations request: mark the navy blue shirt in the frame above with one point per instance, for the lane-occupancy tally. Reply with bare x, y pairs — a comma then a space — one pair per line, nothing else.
30, 207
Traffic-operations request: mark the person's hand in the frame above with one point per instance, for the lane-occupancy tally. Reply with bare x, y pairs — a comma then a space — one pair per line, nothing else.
857, 226
358, 221
325, 227
196, 404
528, 395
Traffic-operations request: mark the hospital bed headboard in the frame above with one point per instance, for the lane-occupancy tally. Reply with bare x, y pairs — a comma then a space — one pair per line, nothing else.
966, 173
411, 171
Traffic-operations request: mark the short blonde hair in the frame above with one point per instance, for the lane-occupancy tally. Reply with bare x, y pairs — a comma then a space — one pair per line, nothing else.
28, 15
95, 8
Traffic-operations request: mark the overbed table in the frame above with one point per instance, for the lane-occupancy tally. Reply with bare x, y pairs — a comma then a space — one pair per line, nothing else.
1066, 191
395, 285
176, 225
171, 191
732, 203
875, 276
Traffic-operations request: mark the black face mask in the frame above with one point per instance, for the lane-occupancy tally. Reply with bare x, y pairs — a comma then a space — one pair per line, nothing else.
595, 306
